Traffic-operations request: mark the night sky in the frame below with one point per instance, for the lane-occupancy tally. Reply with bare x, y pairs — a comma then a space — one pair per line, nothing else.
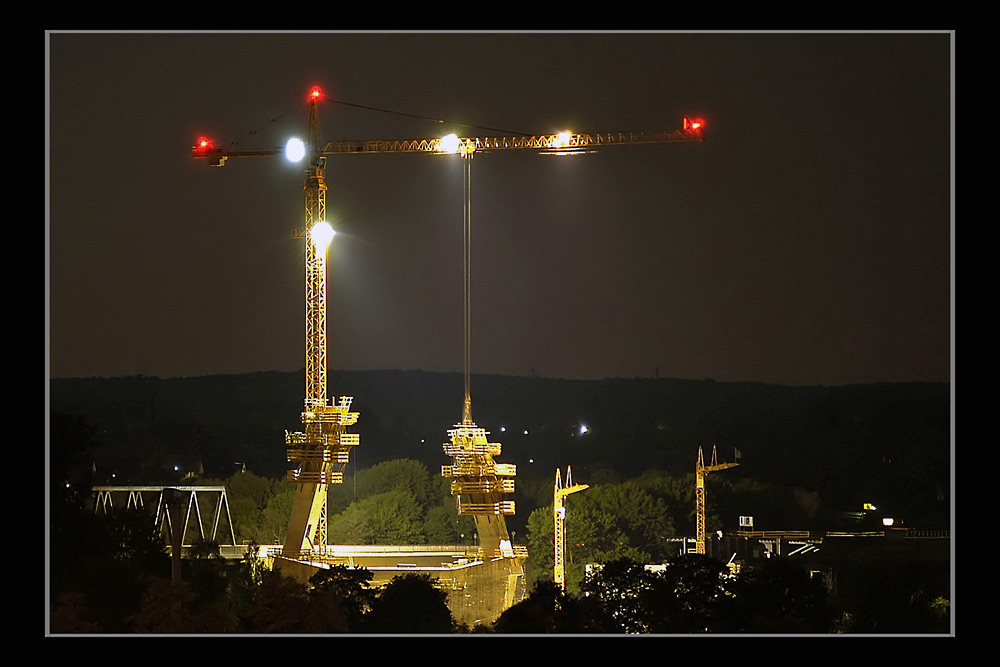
807, 241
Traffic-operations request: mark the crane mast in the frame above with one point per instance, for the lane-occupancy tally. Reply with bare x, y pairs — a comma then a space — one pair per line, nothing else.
321, 451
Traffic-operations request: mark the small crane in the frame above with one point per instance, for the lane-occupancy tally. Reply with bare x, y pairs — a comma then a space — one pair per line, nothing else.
559, 515
700, 471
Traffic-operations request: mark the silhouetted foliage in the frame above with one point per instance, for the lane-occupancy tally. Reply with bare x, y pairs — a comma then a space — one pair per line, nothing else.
806, 451
887, 597
346, 592
279, 606
778, 596
410, 604
548, 609
623, 589
692, 594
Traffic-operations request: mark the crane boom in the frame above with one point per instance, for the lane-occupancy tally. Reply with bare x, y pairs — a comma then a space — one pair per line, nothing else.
560, 142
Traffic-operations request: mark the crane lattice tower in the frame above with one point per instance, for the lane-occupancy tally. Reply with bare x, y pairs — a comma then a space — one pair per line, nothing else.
321, 451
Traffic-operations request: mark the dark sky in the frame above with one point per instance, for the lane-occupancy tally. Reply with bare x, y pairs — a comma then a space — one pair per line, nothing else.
807, 241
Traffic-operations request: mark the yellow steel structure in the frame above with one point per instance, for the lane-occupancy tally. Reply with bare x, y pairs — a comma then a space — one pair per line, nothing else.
559, 516
321, 450
564, 142
478, 483
701, 470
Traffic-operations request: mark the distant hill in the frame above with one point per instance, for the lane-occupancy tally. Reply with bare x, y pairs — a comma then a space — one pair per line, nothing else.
887, 442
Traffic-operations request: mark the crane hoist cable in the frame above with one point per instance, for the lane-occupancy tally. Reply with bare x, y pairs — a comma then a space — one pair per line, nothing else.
467, 226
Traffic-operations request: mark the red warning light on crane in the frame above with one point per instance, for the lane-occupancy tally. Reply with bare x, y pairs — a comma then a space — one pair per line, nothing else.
203, 144
315, 93
695, 125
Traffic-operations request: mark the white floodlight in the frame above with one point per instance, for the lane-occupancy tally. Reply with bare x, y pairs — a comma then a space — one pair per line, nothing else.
449, 144
295, 150
322, 233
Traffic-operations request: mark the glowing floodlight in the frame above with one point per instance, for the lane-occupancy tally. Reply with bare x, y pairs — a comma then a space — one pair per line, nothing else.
322, 233
562, 139
295, 150
449, 144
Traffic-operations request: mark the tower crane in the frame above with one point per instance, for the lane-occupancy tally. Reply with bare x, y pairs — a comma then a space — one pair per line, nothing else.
559, 515
320, 452
701, 470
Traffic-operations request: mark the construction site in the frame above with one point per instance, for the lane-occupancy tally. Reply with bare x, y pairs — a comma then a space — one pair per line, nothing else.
484, 580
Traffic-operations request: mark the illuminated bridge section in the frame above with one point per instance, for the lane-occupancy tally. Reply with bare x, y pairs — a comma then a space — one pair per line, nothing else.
479, 484
323, 450
319, 453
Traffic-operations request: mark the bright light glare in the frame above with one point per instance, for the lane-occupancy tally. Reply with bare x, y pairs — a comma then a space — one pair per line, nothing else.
694, 125
295, 150
449, 144
583, 429
563, 140
322, 233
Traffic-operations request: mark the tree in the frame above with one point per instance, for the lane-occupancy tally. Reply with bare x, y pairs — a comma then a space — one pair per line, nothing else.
604, 523
279, 606
109, 559
393, 517
623, 587
778, 596
249, 495
410, 604
69, 615
549, 609
640, 517
273, 523
243, 580
397, 475
691, 595
443, 524
340, 597
172, 608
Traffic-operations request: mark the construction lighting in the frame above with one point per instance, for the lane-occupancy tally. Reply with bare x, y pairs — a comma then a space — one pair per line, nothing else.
449, 144
322, 233
295, 150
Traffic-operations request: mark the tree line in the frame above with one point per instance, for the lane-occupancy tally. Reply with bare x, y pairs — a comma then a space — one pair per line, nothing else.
111, 574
